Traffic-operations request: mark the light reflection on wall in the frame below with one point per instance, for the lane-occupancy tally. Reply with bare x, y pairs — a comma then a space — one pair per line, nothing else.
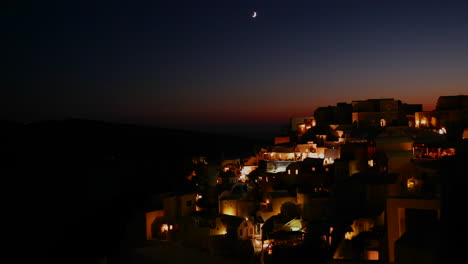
246, 170
277, 166
358, 226
228, 207
219, 228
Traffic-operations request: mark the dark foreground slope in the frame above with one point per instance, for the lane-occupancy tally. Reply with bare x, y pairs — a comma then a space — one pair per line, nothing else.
77, 188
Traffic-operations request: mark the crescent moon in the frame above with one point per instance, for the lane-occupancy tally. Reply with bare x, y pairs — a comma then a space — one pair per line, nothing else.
254, 14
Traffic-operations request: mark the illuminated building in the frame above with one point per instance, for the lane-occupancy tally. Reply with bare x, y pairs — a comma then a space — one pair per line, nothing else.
382, 112
449, 117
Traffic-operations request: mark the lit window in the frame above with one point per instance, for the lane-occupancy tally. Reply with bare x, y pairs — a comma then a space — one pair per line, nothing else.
433, 121
424, 121
289, 172
313, 168
410, 184
297, 171
383, 122
372, 255
370, 163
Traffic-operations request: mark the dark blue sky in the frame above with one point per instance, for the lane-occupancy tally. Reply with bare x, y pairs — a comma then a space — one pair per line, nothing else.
210, 65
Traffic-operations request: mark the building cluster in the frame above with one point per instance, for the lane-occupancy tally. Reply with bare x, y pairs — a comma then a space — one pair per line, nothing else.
355, 182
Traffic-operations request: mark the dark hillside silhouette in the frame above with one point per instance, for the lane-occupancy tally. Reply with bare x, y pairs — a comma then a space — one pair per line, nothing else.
78, 184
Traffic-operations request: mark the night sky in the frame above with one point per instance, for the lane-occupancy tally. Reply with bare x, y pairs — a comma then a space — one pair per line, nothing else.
210, 65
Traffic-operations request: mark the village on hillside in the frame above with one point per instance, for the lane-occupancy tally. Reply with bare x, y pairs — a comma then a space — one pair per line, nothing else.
354, 183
